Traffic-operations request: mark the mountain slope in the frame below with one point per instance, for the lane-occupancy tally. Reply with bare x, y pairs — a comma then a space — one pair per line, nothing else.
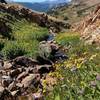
75, 10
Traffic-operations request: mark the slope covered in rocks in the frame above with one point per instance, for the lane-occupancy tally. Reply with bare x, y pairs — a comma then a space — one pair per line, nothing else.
89, 27
75, 10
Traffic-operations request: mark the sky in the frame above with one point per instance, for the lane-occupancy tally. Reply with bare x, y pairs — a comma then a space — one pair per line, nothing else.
29, 0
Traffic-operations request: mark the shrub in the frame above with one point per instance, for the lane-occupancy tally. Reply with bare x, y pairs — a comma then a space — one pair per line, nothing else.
31, 47
1, 44
66, 38
65, 18
13, 49
29, 31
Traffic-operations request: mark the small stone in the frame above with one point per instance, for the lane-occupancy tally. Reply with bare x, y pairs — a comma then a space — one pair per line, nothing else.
6, 77
93, 83
73, 69
7, 65
11, 86
6, 80
15, 93
44, 69
1, 64
98, 77
1, 90
37, 96
22, 75
27, 81
19, 85
81, 92
15, 72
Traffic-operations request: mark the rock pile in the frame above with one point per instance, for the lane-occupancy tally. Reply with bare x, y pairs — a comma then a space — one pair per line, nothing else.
20, 76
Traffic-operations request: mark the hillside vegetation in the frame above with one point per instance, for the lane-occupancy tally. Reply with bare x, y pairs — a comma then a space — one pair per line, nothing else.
78, 77
21, 36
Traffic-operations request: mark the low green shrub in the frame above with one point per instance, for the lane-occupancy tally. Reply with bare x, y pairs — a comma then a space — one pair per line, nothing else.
13, 49
28, 31
66, 18
68, 38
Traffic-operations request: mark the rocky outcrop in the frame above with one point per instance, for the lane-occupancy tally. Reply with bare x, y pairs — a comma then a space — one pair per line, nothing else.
90, 27
5, 29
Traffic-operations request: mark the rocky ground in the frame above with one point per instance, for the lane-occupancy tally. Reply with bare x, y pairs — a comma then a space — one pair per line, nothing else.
89, 27
22, 76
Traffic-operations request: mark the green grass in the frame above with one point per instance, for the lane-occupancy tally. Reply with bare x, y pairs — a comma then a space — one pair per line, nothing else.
25, 37
76, 74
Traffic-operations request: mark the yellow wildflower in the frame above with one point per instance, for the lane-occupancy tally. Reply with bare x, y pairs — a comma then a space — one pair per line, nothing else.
93, 56
83, 84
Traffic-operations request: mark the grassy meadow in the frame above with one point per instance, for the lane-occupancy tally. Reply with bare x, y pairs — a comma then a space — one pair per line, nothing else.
78, 77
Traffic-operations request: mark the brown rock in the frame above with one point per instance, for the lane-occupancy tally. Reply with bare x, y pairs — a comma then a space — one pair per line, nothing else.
27, 81
7, 65
6, 95
1, 90
6, 80
19, 85
15, 72
44, 69
5, 29
10, 87
1, 63
15, 93
24, 61
90, 28
22, 75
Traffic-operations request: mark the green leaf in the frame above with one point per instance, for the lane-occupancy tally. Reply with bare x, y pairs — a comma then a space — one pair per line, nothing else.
57, 97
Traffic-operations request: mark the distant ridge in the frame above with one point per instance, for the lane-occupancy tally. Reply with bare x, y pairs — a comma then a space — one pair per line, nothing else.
43, 6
